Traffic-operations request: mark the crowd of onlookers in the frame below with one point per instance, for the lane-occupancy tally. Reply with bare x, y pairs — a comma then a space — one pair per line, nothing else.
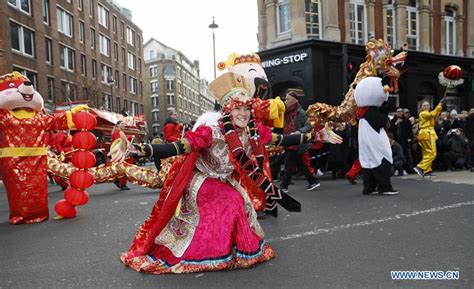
455, 144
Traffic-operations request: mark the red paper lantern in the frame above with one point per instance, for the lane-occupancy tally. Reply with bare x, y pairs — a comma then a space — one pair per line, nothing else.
65, 209
76, 197
83, 159
453, 72
84, 120
84, 140
81, 179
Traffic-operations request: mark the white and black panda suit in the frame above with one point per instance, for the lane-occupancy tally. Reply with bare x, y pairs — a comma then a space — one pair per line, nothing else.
375, 153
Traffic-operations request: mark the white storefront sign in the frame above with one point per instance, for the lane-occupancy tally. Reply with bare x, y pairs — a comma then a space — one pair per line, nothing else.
299, 57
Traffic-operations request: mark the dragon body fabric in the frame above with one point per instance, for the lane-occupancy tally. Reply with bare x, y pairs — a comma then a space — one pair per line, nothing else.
380, 61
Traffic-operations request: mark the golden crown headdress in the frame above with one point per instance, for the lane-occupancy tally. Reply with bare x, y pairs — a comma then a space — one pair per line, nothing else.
229, 85
235, 59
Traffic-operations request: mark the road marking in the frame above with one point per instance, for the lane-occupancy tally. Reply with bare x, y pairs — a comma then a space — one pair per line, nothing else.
369, 222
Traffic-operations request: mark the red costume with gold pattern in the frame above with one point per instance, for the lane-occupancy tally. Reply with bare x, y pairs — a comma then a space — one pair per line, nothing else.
24, 146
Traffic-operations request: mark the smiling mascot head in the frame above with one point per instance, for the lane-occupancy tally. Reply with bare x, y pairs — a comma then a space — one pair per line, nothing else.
249, 66
17, 92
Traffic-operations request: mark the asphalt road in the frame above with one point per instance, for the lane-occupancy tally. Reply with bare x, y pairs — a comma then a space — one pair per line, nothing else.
342, 239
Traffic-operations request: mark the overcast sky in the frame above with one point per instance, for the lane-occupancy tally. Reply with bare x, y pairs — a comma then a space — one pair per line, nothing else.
184, 26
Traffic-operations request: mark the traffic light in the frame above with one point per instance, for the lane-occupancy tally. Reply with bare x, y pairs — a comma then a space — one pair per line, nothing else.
351, 71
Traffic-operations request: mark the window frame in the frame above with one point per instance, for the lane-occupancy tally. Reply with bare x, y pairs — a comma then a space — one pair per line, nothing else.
103, 14
309, 13
104, 40
353, 8
65, 22
67, 50
280, 4
18, 6
450, 20
48, 50
409, 11
21, 40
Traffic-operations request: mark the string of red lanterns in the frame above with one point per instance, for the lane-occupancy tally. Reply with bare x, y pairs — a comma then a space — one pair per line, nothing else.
82, 159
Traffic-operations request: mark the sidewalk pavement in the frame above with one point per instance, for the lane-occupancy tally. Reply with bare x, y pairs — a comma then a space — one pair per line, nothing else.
456, 177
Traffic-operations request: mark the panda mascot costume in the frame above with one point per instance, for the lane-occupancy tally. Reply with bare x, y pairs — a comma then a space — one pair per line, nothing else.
375, 153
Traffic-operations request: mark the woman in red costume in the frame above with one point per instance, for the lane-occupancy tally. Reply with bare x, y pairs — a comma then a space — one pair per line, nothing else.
204, 219
23, 150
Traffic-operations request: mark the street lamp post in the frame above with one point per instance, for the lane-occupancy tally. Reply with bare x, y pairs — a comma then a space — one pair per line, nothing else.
213, 26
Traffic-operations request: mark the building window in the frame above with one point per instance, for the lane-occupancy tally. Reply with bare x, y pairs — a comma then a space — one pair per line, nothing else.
125, 105
154, 71
22, 39
94, 68
390, 25
79, 4
134, 107
104, 45
66, 56
170, 98
46, 17
133, 85
313, 18
48, 47
130, 36
154, 101
64, 20
92, 35
117, 79
122, 30
412, 24
170, 84
106, 74
103, 16
358, 21
154, 86
117, 102
132, 61
50, 88
22, 5
124, 56
69, 90
114, 24
30, 74
115, 52
109, 102
450, 31
91, 9
81, 31
155, 116
124, 81
284, 20
83, 65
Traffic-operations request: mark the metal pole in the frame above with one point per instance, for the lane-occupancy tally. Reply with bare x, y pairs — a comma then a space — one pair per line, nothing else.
345, 63
214, 51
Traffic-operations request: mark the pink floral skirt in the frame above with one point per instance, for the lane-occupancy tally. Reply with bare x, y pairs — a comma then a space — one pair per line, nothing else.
223, 239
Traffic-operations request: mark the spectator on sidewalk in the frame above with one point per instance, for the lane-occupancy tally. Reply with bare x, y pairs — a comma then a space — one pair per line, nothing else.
456, 144
397, 156
400, 127
296, 121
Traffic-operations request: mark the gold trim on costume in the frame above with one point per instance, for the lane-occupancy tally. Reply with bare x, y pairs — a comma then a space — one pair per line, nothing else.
23, 152
70, 122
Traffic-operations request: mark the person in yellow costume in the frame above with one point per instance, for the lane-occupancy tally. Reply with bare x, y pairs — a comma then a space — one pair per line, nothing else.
427, 137
270, 111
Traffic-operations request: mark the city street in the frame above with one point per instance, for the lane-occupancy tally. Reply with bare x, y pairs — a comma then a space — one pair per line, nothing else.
342, 239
